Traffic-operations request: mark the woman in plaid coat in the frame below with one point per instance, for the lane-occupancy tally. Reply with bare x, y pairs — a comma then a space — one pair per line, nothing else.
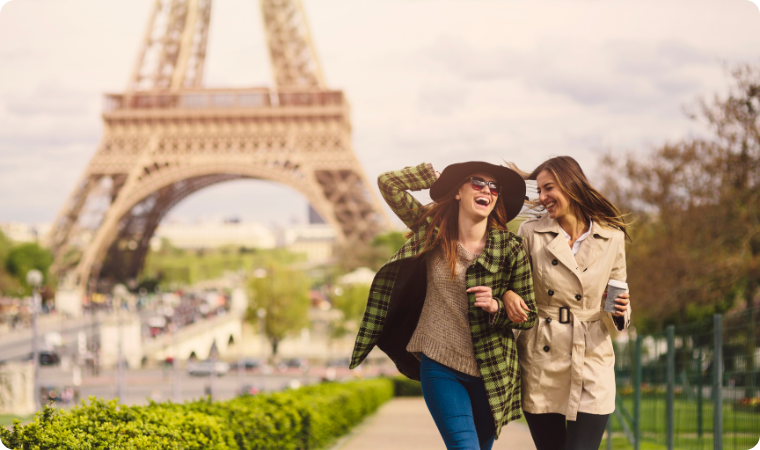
436, 307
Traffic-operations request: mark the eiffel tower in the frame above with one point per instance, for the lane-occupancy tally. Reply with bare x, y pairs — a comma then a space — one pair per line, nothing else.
167, 137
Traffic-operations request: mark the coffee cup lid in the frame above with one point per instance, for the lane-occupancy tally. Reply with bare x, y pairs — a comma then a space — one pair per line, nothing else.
618, 284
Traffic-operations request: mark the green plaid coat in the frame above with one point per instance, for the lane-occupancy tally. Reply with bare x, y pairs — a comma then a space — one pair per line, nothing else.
398, 294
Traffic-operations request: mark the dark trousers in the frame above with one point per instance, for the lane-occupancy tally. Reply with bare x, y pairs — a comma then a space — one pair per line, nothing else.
459, 405
550, 433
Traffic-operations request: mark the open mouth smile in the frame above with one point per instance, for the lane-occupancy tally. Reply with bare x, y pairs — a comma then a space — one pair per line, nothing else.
483, 201
550, 205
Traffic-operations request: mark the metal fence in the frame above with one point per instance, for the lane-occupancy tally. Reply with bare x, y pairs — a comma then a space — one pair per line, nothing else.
690, 387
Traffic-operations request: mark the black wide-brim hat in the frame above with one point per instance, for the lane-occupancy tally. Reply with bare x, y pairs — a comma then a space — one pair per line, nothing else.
512, 185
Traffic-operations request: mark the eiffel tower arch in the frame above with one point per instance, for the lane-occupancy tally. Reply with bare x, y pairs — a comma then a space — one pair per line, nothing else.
167, 137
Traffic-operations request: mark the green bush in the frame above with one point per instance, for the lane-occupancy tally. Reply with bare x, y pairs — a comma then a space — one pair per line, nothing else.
308, 418
405, 387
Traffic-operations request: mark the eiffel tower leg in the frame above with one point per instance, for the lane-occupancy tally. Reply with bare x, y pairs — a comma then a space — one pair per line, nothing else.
146, 198
67, 218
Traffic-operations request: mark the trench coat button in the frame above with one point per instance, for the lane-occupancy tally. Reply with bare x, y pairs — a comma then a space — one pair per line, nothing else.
548, 320
555, 262
578, 297
551, 292
546, 348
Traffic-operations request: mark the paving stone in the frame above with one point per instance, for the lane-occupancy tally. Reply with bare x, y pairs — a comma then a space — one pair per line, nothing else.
405, 424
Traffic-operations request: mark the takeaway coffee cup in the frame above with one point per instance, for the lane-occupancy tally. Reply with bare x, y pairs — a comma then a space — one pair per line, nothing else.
614, 288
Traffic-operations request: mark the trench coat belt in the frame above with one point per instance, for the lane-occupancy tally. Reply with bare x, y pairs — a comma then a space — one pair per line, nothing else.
582, 315
577, 350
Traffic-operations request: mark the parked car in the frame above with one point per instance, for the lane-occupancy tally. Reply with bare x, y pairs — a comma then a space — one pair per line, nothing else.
206, 368
339, 362
294, 363
248, 363
49, 358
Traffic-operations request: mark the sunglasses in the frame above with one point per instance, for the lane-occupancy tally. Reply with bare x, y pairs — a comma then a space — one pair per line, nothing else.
479, 183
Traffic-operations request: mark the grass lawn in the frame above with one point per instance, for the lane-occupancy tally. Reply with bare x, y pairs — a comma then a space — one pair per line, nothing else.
621, 443
653, 413
741, 429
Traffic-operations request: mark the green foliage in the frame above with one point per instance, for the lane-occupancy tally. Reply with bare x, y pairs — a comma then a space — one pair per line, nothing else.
284, 293
695, 207
308, 418
351, 303
9, 285
24, 257
373, 255
5, 246
172, 267
405, 387
108, 425
391, 242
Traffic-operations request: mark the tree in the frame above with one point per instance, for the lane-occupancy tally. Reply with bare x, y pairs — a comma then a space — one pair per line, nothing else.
373, 255
350, 301
695, 205
284, 294
8, 284
25, 257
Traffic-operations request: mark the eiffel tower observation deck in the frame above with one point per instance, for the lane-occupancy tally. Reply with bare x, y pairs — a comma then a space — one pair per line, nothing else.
167, 137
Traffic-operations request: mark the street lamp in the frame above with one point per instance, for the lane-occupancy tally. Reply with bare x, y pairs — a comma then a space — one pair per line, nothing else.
119, 293
34, 279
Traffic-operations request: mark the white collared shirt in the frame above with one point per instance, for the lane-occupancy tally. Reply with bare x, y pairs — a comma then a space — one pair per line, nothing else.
579, 241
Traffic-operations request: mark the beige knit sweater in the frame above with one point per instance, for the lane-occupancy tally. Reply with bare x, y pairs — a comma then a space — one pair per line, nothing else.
443, 331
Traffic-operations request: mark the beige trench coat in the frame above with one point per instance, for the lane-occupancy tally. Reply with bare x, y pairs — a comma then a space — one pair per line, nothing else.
568, 368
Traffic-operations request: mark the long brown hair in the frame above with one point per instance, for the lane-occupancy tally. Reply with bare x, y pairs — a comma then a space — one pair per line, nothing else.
586, 202
442, 222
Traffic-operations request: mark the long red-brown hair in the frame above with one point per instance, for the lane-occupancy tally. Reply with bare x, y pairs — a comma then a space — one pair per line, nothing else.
442, 221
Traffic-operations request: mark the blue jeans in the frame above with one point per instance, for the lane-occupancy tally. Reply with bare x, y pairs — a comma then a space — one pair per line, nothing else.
459, 405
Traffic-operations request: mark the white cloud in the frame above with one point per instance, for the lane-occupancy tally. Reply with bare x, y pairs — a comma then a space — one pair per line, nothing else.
434, 80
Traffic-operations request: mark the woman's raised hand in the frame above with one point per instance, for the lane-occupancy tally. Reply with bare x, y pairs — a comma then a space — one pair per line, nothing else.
515, 306
484, 299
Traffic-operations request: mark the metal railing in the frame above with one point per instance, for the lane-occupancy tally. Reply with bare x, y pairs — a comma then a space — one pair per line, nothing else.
690, 387
221, 99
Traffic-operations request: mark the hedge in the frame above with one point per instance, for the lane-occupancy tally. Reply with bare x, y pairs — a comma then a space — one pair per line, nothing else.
305, 419
405, 387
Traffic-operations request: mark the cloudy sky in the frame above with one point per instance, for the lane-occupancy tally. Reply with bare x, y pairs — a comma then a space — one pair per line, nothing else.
438, 81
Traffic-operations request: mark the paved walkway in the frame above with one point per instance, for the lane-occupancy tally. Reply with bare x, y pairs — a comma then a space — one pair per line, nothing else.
405, 424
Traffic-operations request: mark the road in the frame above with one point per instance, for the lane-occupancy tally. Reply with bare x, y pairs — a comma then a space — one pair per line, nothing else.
155, 384
17, 344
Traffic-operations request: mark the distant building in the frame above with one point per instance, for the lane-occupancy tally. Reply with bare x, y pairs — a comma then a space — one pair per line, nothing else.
317, 242
24, 232
212, 235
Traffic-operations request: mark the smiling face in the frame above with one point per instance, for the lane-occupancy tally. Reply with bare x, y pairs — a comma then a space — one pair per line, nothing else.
554, 199
477, 204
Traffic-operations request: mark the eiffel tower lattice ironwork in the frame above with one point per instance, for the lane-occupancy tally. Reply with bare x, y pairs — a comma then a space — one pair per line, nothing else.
167, 137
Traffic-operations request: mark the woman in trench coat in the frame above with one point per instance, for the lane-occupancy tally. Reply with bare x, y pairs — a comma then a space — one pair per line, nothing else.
436, 307
575, 247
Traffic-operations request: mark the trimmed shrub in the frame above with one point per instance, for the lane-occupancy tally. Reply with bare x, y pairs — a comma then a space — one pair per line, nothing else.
305, 419
405, 387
